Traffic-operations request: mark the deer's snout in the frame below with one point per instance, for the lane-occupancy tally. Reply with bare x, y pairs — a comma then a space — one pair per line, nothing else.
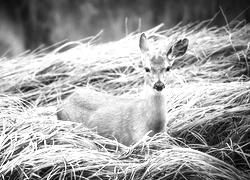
159, 86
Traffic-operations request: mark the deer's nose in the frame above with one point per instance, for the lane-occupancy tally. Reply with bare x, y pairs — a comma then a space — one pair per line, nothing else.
159, 86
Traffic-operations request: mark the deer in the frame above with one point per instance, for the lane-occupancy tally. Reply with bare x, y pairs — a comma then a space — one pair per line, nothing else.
127, 119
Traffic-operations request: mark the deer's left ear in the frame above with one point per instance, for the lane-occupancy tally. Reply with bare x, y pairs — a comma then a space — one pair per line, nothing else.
143, 44
178, 49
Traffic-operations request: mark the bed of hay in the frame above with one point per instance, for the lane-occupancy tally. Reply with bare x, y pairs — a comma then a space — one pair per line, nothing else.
208, 105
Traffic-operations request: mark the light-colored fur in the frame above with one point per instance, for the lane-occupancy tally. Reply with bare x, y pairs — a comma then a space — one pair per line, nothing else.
126, 119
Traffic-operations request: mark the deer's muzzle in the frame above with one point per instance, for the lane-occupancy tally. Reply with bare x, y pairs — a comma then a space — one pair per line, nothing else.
159, 86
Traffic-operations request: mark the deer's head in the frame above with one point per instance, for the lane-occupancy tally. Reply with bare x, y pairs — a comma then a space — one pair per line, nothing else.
157, 65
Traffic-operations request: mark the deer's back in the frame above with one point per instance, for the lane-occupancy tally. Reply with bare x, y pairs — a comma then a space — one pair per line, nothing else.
82, 104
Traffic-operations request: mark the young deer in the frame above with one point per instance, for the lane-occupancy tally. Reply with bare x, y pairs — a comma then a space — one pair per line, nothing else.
127, 119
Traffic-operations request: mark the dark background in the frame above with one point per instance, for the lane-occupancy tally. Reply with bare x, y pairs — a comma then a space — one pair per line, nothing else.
27, 24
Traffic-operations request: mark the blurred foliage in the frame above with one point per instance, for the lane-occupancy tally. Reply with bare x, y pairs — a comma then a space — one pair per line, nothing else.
48, 22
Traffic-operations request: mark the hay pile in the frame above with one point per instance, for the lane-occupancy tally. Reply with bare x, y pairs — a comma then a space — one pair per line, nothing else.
208, 109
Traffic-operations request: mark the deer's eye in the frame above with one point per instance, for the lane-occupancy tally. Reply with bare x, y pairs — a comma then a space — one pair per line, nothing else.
167, 68
147, 69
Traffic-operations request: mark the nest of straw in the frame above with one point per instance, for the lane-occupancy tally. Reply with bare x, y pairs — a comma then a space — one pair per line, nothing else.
207, 105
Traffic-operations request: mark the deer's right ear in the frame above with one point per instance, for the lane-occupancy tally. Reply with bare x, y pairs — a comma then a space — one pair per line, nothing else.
143, 43
178, 49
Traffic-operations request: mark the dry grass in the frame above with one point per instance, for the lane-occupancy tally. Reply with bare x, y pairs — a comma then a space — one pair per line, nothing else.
208, 109
214, 55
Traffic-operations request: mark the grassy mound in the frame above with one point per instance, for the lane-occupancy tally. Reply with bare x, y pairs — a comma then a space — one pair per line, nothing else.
214, 55
207, 103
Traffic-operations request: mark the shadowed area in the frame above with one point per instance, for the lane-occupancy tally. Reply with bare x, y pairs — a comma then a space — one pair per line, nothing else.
26, 25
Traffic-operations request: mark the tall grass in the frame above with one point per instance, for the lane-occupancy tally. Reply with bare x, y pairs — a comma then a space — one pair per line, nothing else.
214, 55
207, 106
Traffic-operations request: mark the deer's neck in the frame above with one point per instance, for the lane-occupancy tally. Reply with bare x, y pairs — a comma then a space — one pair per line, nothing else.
155, 110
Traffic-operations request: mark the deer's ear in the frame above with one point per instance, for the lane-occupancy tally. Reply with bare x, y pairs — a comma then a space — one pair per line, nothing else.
178, 49
143, 43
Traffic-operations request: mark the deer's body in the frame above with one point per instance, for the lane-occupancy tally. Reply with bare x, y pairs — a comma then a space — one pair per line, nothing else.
126, 119
123, 118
